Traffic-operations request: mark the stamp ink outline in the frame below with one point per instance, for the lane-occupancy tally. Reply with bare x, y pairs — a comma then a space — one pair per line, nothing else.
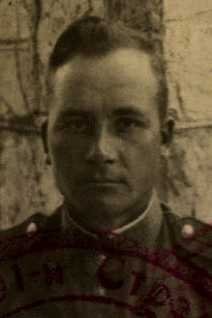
148, 257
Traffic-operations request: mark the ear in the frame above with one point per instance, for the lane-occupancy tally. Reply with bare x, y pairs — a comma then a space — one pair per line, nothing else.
167, 131
44, 134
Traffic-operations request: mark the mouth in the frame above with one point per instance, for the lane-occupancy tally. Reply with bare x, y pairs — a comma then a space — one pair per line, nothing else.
103, 183
104, 180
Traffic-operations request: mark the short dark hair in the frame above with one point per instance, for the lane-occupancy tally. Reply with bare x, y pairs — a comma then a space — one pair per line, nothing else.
94, 36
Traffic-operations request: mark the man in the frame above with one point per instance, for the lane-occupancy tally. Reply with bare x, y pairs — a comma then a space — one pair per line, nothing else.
111, 250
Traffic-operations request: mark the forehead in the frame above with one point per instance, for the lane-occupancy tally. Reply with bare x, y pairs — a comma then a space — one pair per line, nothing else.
118, 66
124, 74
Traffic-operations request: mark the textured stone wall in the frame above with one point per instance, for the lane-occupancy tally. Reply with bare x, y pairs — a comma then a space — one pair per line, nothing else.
188, 47
28, 30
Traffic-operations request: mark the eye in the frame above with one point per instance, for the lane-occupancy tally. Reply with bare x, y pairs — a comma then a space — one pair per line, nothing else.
128, 124
79, 125
76, 125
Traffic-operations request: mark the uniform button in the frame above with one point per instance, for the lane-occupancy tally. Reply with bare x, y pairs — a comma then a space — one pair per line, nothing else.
101, 291
102, 258
31, 228
188, 231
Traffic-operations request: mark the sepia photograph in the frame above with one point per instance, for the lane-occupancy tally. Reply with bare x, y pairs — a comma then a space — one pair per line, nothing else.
105, 158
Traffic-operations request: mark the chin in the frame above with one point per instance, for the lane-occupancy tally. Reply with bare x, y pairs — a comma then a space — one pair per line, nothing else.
105, 205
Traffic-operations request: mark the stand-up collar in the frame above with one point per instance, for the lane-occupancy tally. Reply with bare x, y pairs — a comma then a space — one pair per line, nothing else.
144, 229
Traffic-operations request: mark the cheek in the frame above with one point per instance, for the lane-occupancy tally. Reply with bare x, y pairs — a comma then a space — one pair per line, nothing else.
142, 147
66, 155
141, 159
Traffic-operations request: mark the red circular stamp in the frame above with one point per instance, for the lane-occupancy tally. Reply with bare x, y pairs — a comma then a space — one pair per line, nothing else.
48, 273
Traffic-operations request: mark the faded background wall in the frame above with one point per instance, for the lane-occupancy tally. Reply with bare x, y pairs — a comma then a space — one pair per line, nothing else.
28, 30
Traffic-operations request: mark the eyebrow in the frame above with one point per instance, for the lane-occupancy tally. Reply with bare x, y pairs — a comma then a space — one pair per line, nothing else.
121, 111
129, 111
74, 112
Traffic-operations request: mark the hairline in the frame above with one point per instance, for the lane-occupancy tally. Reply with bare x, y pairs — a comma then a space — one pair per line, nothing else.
51, 72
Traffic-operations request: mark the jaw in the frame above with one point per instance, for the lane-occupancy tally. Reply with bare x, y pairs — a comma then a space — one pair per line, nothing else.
107, 211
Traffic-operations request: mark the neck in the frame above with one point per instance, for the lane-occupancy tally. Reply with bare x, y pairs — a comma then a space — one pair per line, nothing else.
108, 223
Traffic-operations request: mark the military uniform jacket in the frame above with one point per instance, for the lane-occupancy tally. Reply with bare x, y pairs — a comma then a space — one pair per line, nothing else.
46, 271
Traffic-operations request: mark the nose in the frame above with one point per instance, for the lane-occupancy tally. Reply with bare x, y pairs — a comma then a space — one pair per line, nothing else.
102, 148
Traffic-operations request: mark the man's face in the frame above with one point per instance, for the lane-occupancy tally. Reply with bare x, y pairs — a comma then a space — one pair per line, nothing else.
104, 133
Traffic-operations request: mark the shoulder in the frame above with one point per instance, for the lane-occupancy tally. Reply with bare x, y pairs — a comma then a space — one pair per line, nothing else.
30, 224
24, 236
187, 228
191, 238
